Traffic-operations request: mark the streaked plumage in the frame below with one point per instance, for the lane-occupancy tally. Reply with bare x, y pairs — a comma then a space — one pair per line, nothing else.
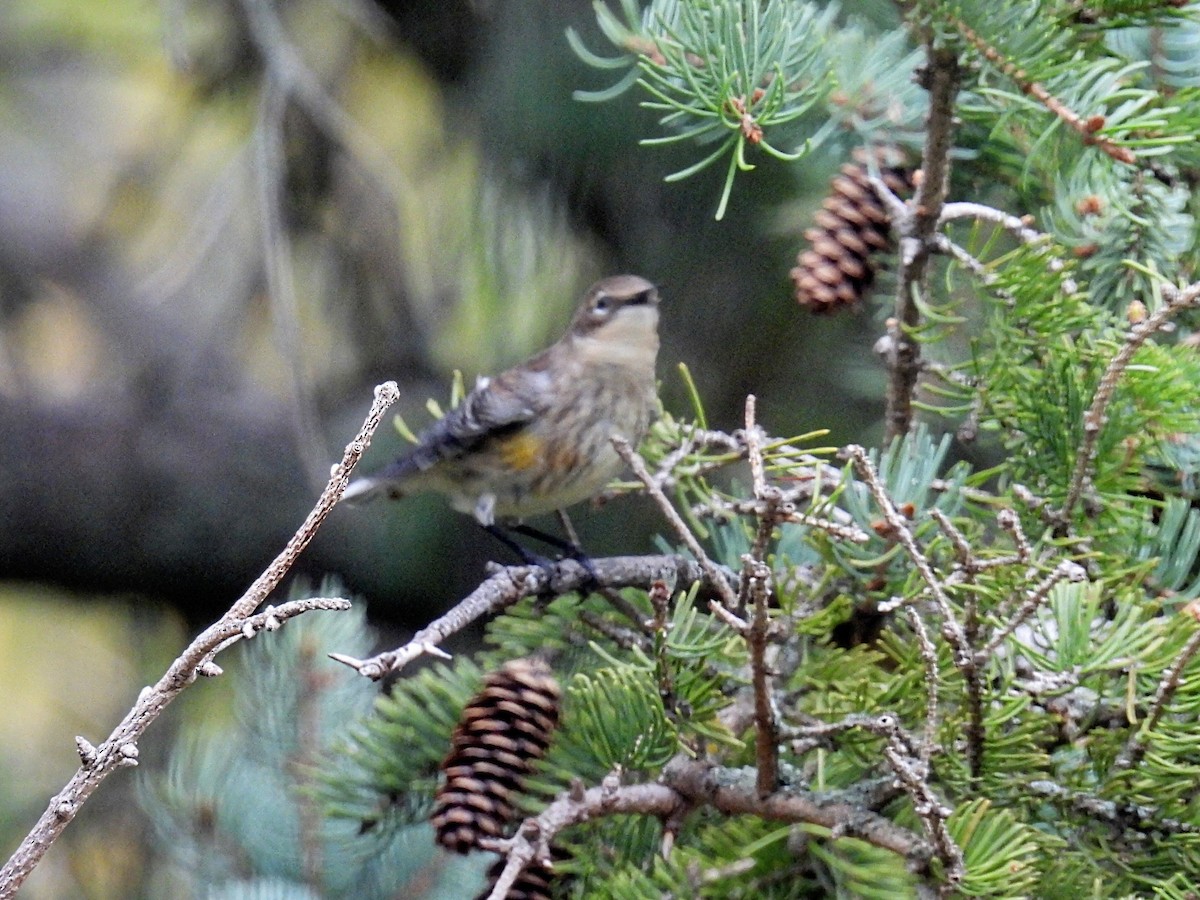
536, 438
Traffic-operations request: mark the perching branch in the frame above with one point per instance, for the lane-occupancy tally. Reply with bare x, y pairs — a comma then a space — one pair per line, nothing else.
239, 623
509, 584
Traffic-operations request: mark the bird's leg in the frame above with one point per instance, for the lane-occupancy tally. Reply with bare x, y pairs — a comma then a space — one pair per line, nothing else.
570, 549
530, 559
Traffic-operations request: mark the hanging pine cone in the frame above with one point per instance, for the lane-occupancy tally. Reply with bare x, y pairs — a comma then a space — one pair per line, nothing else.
503, 731
850, 229
534, 882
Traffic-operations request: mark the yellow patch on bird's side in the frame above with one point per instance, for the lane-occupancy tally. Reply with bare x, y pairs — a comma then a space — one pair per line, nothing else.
521, 451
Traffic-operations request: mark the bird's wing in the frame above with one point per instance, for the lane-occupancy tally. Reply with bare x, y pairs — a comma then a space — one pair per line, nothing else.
495, 408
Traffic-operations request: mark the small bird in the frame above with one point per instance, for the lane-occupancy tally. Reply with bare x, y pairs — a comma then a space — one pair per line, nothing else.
537, 437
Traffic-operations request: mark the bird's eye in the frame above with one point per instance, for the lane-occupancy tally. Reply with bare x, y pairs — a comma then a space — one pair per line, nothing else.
601, 305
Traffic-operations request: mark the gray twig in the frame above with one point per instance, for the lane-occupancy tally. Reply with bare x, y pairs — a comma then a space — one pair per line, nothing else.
1135, 748
1175, 300
691, 783
917, 228
638, 465
951, 628
509, 584
240, 622
932, 679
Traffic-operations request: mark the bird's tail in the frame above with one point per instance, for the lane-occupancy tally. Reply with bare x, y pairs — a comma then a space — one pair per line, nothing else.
367, 490
389, 483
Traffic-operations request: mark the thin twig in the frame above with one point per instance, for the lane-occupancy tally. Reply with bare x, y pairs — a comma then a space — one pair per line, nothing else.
1070, 571
951, 628
932, 679
1175, 300
1135, 748
941, 75
1010, 223
785, 511
1085, 128
638, 465
690, 783
929, 809
240, 622
509, 584
966, 660
988, 279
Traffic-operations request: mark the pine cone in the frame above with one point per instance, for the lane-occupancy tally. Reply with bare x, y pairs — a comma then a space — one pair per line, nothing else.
851, 227
534, 883
503, 731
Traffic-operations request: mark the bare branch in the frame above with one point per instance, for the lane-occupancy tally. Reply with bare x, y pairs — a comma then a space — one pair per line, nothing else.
1041, 592
755, 592
766, 723
120, 748
932, 679
638, 465
509, 584
532, 840
951, 628
786, 511
941, 75
688, 783
1010, 223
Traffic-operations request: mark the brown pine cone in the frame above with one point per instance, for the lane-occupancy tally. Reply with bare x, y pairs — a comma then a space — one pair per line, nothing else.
503, 731
535, 882
851, 228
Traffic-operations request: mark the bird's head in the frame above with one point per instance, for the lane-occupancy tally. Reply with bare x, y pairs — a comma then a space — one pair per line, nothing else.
618, 321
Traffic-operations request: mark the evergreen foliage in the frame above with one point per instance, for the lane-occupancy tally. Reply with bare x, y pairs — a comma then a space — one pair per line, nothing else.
238, 811
1021, 715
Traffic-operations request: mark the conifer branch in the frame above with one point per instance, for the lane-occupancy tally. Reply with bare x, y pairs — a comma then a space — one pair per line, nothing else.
1086, 128
1174, 301
687, 784
239, 623
754, 594
1147, 820
917, 229
1135, 747
508, 584
638, 465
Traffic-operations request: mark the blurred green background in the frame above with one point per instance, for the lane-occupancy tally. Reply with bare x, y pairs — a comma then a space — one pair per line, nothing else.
221, 224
